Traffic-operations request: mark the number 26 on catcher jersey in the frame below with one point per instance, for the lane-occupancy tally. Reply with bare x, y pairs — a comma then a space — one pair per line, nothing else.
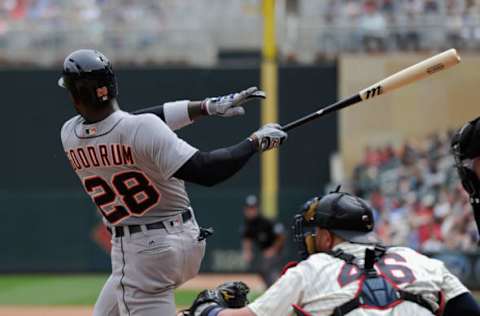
128, 193
391, 265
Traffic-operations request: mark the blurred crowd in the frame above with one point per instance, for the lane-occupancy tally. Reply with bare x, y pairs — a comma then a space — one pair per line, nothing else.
417, 195
392, 25
163, 31
139, 32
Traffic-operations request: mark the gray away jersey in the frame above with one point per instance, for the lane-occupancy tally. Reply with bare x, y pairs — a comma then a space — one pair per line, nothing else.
126, 163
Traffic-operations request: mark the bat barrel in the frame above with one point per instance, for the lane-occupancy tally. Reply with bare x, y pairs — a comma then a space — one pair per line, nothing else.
413, 73
408, 75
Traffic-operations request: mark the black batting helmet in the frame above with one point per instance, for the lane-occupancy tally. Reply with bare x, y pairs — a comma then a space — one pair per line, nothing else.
345, 215
89, 77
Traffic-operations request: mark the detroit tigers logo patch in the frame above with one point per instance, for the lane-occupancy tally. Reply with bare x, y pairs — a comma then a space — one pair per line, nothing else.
102, 93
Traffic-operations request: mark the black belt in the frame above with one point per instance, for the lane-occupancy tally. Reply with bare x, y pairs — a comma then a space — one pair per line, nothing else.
133, 229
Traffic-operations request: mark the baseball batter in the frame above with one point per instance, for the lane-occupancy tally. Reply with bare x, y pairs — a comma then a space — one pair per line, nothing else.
346, 272
133, 167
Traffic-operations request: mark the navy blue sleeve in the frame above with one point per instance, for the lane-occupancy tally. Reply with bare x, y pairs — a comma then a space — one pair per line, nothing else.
464, 304
210, 168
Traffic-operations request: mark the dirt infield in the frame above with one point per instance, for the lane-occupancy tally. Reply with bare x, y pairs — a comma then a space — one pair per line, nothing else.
211, 280
199, 283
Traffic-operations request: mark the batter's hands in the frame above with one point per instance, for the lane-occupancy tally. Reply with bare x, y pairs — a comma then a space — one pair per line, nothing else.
226, 295
269, 136
230, 105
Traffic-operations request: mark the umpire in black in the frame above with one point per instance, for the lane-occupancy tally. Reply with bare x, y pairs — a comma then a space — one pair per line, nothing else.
268, 236
466, 152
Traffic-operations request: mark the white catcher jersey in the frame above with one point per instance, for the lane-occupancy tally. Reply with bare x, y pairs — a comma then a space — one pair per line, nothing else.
322, 282
126, 163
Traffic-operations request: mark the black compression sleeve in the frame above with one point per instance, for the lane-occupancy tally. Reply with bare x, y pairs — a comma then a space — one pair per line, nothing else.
463, 304
210, 168
157, 110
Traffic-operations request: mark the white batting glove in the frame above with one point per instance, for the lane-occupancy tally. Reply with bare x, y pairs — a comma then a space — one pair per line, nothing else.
230, 105
269, 136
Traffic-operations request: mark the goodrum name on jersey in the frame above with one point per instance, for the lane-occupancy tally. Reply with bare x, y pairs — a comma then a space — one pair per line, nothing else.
104, 155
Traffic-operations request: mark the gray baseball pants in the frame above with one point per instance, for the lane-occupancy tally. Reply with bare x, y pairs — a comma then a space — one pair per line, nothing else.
147, 266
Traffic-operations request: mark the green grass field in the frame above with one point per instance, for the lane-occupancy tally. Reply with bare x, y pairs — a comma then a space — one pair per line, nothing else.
62, 290
67, 290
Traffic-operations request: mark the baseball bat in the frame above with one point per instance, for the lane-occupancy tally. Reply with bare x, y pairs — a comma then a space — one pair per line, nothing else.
408, 75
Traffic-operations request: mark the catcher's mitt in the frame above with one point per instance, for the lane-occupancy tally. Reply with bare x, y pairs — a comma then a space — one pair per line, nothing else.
226, 295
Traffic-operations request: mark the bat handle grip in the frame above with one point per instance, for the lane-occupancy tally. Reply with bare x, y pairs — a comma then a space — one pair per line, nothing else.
300, 121
323, 111
289, 126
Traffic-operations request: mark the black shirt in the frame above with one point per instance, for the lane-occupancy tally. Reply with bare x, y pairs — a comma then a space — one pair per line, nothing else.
262, 231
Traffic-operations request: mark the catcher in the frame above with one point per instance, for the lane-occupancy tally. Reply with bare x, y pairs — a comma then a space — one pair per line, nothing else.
346, 271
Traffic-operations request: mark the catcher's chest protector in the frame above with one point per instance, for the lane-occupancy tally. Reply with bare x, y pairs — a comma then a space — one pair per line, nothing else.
376, 291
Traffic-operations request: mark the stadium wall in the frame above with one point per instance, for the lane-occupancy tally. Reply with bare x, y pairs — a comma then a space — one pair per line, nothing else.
50, 225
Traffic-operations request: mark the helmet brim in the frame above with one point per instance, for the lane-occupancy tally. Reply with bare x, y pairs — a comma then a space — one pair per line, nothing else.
356, 236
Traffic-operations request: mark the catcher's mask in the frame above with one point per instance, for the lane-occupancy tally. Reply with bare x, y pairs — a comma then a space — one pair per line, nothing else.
304, 228
347, 216
465, 148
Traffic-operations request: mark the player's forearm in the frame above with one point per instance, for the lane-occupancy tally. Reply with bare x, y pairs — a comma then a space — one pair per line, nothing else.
176, 114
195, 110
220, 311
279, 242
463, 304
210, 168
182, 113
247, 245
247, 250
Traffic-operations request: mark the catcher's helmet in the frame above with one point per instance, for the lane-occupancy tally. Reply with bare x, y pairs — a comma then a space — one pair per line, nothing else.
345, 215
465, 148
89, 77
466, 141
